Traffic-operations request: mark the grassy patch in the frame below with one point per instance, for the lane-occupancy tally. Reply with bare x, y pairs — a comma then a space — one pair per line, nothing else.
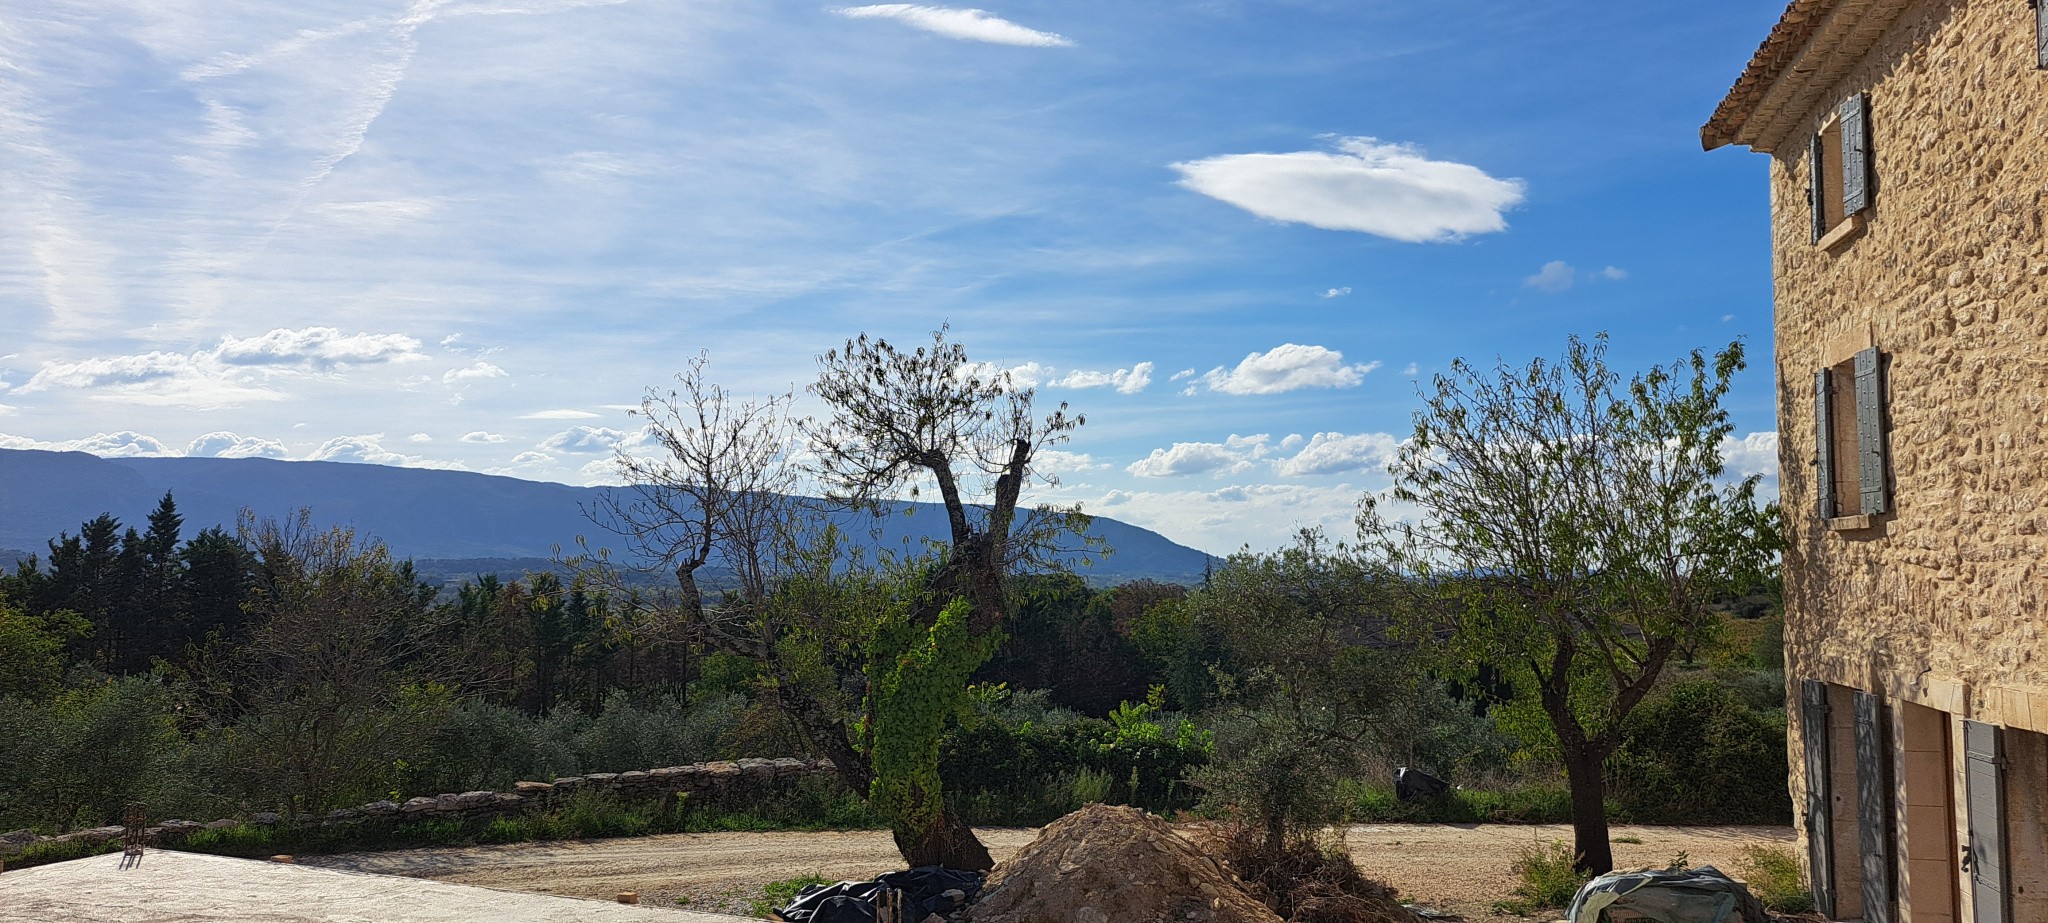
1773, 876
777, 894
1546, 879
1521, 804
1630, 840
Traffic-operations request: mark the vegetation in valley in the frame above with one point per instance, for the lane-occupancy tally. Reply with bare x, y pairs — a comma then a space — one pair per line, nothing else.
272, 666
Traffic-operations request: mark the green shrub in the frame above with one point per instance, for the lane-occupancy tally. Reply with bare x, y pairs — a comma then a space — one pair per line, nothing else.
777, 894
1528, 803
1695, 753
1545, 878
1773, 876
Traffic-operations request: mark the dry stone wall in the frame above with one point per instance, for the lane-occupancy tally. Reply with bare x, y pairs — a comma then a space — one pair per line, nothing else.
724, 780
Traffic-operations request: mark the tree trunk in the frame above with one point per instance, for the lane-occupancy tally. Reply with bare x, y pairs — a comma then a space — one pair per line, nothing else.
1583, 768
950, 843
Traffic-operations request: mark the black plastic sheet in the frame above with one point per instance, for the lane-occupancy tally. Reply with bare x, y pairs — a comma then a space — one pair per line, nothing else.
926, 891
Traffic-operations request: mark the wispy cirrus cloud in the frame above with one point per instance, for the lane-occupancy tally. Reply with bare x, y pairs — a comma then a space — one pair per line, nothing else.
1365, 185
952, 22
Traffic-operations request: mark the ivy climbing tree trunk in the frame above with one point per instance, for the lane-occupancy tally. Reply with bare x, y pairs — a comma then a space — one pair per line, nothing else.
920, 681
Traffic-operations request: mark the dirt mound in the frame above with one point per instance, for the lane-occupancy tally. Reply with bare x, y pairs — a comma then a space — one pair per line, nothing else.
1105, 864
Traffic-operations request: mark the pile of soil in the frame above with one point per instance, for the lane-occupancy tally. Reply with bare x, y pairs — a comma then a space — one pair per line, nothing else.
1105, 864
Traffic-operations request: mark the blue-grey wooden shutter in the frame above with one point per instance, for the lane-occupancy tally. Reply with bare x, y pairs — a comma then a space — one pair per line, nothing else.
1855, 121
1820, 823
1874, 806
1823, 447
2041, 34
1870, 431
1816, 190
1984, 759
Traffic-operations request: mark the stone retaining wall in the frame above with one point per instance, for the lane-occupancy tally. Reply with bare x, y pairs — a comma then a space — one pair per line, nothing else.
719, 779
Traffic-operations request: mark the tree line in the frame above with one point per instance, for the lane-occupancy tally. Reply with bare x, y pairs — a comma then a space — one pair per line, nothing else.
1558, 545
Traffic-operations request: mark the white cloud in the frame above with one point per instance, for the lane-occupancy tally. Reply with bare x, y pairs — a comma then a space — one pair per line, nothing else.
1028, 375
1727, 317
367, 449
1058, 461
584, 440
559, 415
124, 444
1336, 453
230, 445
1337, 292
482, 437
1411, 369
112, 371
1754, 453
318, 347
1388, 190
479, 370
419, 437
1558, 276
1182, 374
1127, 381
532, 458
968, 25
1287, 367
1231, 516
1231, 456
8, 410
1555, 276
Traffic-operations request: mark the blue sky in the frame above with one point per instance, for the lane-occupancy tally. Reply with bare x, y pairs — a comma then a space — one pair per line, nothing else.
1236, 235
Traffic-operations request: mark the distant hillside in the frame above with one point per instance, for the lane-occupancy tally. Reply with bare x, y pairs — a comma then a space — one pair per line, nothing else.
451, 520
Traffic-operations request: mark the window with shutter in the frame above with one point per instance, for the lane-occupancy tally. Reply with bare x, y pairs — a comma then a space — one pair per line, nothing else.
1841, 181
1984, 760
1820, 847
1851, 441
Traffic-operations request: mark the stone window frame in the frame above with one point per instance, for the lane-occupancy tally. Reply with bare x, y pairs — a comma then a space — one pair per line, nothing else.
1841, 183
1852, 439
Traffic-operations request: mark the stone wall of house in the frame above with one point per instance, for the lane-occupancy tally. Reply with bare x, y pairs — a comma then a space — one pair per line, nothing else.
732, 781
1941, 600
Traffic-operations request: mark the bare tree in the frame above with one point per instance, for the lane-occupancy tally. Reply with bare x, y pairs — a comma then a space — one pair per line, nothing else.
901, 422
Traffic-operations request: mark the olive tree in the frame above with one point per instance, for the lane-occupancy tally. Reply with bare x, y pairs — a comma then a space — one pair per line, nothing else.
1571, 529
796, 599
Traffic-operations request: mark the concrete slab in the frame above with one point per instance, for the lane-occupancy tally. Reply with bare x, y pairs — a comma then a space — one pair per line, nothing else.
175, 887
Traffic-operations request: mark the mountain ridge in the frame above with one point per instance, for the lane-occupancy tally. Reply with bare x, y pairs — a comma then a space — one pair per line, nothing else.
421, 513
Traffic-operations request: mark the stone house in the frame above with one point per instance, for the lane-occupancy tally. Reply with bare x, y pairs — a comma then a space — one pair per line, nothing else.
1909, 174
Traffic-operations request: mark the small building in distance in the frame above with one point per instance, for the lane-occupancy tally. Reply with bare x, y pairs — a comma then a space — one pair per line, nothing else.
1908, 179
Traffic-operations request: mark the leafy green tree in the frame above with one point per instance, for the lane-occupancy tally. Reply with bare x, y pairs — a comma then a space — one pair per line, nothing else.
1570, 529
919, 684
32, 648
1316, 690
337, 681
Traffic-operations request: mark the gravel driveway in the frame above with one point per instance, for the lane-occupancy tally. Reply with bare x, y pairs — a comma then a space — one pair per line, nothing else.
1461, 868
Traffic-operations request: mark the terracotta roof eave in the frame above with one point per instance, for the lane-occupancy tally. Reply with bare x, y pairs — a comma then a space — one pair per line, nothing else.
1779, 49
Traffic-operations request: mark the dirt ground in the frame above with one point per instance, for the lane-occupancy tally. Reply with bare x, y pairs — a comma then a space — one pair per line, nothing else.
1460, 868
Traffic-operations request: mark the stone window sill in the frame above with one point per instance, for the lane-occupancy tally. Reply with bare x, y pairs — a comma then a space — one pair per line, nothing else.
1847, 230
1850, 523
